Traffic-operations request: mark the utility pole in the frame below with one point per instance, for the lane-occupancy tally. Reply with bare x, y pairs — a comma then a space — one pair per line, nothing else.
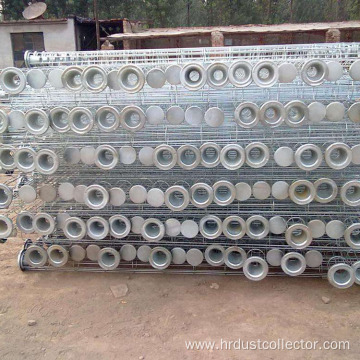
291, 11
188, 13
97, 25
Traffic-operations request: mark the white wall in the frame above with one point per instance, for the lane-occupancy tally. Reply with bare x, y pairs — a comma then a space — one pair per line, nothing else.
59, 35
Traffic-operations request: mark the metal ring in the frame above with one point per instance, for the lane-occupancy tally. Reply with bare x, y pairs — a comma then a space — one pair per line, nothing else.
6, 227
210, 227
201, 195
164, 157
6, 196
7, 158
132, 118
12, 80
46, 162
342, 158
44, 224
107, 118
350, 193
210, 154
272, 113
153, 230
160, 258
59, 119
4, 121
314, 72
58, 256
224, 192
71, 78
94, 78
131, 78
302, 192
352, 236
356, 267
308, 157
255, 268
24, 222
177, 198
188, 157
97, 227
81, 120
24, 159
235, 257
326, 190
96, 197
232, 156
193, 76
120, 226
257, 154
342, 276
257, 227
74, 228
213, 79
247, 115
265, 73
215, 255
240, 73
106, 157
36, 121
293, 264
297, 113
108, 258
35, 256
298, 236
234, 227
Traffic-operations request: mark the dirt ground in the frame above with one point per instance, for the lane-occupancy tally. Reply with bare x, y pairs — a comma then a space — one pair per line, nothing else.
78, 317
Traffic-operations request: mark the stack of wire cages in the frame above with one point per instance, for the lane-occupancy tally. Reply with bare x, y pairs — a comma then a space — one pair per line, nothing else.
236, 160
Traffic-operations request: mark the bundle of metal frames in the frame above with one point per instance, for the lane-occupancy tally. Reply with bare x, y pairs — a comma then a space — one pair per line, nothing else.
332, 225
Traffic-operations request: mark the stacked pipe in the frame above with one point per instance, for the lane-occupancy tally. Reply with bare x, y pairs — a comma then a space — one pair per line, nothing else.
218, 160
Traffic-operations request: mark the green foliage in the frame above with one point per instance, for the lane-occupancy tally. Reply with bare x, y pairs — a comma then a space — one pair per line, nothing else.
173, 13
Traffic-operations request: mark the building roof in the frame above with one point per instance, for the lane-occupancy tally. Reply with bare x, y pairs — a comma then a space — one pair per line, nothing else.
244, 29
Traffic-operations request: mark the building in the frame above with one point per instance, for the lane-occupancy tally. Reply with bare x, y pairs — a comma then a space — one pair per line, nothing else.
346, 31
70, 34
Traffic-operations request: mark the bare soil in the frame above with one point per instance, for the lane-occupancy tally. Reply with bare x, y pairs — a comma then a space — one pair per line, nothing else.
78, 317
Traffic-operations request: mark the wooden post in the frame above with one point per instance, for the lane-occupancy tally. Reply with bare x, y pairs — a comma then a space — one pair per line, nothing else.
217, 38
332, 36
128, 44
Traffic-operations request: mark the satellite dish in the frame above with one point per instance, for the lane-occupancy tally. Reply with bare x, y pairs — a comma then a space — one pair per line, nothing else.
34, 10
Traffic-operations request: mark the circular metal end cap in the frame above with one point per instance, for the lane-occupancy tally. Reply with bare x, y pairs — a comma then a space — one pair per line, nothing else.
273, 257
172, 74
335, 111
131, 78
234, 227
317, 228
298, 236
297, 113
146, 156
194, 257
58, 256
66, 191
81, 120
153, 230
6, 196
243, 191
108, 258
120, 226
272, 114
128, 252
172, 227
261, 190
107, 118
12, 80
217, 75
17, 119
214, 117
112, 80
175, 115
74, 228
54, 77
189, 229
160, 258
232, 156
280, 190
79, 192
355, 158
313, 258
143, 253
314, 72
87, 155
155, 197
35, 256
317, 112
284, 156
59, 119
336, 71
354, 70
210, 227
47, 193
293, 264
164, 157
177, 198
326, 190
224, 192
178, 255
72, 155
287, 73
27, 194
210, 154
24, 222
257, 227
77, 253
155, 115
308, 157
338, 156
132, 118
193, 76
138, 194
106, 157
36, 78
194, 116
92, 252
155, 78
188, 157
96, 197
36, 121
94, 78
302, 192
4, 121
136, 224
247, 115
215, 255
257, 154
240, 73
265, 73
277, 225
342, 276
71, 78
127, 155
234, 257
255, 268
335, 229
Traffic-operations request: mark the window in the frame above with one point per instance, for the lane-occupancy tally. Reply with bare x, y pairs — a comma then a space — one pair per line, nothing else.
25, 41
